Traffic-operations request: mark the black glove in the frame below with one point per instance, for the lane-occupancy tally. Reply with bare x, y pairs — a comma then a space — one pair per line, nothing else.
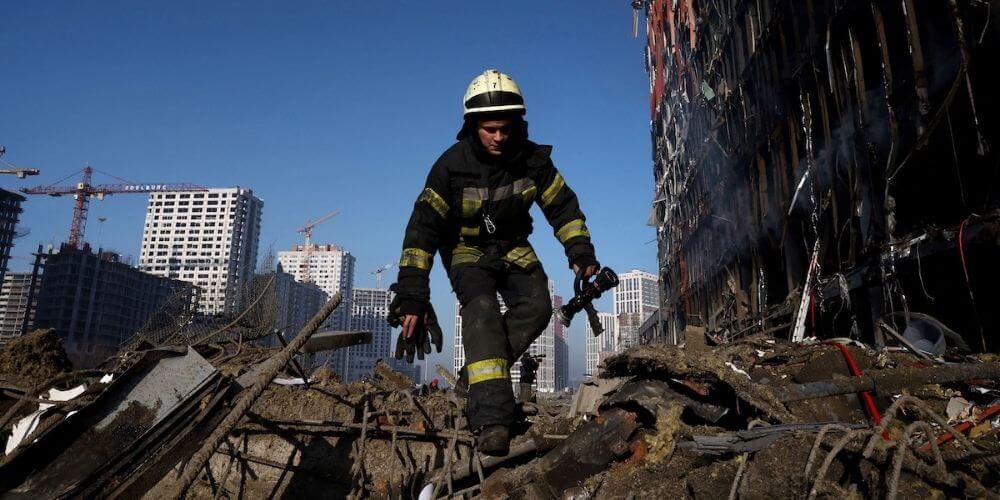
426, 331
408, 300
585, 261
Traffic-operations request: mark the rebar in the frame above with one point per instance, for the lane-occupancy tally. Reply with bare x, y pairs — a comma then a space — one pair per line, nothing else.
890, 414
819, 441
358, 467
269, 370
831, 456
903, 445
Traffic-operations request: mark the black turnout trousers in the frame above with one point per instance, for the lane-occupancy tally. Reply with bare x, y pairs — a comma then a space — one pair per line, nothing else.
494, 341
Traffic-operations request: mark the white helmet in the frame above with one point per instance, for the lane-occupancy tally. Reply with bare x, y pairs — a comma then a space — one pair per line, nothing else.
493, 92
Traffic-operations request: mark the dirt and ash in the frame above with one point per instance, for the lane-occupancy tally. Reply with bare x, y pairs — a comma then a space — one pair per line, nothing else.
32, 359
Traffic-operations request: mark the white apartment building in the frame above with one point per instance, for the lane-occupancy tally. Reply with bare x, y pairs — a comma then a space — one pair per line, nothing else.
603, 345
545, 378
636, 297
329, 266
205, 238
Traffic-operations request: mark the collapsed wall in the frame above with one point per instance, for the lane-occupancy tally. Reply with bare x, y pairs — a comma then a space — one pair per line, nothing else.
820, 164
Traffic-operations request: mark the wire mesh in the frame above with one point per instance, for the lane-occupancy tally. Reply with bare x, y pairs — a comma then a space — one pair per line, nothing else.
253, 315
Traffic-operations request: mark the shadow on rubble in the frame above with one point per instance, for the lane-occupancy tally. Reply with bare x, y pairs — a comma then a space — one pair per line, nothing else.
321, 467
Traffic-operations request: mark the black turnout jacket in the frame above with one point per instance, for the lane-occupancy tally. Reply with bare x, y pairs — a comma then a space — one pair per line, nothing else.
474, 203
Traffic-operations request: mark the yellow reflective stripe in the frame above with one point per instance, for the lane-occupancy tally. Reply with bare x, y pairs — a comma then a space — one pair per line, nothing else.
553, 190
473, 197
572, 229
469, 231
463, 258
529, 194
465, 255
415, 257
521, 256
523, 185
435, 201
474, 193
487, 369
470, 207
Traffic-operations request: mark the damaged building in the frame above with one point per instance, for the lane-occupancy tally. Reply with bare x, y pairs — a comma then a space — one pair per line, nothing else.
821, 166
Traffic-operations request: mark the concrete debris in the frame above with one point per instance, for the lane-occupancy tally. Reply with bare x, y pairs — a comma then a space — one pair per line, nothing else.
228, 420
27, 425
592, 392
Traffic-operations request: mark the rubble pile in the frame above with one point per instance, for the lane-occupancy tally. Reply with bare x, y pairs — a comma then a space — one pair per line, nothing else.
734, 421
299, 441
751, 418
773, 444
32, 358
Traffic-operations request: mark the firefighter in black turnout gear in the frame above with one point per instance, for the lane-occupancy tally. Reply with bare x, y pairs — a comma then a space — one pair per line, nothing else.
529, 366
473, 210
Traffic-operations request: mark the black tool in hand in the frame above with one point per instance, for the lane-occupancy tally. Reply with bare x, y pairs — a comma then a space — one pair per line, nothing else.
585, 292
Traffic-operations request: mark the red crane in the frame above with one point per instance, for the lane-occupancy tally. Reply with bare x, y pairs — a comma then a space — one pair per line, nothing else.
83, 191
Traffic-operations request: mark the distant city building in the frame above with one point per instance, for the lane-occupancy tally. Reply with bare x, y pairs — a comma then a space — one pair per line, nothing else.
561, 362
459, 348
14, 305
369, 307
331, 268
545, 344
95, 302
603, 345
635, 298
208, 239
297, 302
10, 213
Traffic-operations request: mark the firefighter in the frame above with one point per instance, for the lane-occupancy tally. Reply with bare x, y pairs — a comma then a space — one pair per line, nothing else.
473, 211
529, 366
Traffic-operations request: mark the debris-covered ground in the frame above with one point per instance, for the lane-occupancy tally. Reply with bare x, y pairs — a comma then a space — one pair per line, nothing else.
34, 357
758, 417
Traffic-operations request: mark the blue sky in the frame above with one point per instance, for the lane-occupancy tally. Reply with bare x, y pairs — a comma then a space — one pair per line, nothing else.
321, 105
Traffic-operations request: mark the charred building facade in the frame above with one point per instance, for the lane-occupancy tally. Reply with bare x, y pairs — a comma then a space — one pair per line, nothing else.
823, 164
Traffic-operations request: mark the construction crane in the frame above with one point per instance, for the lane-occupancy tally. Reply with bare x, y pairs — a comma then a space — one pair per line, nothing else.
378, 274
20, 172
307, 230
83, 191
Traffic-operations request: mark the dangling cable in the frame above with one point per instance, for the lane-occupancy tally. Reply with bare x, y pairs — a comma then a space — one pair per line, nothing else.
968, 283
